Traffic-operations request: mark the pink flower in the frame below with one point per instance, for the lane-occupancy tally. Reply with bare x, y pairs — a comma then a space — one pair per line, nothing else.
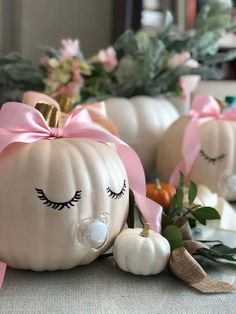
70, 48
69, 90
192, 63
178, 59
77, 78
183, 58
108, 58
187, 84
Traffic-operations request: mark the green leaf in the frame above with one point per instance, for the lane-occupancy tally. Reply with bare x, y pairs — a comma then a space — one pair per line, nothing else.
211, 255
222, 249
180, 197
181, 179
173, 206
219, 57
168, 22
130, 218
174, 237
192, 222
192, 192
203, 214
166, 221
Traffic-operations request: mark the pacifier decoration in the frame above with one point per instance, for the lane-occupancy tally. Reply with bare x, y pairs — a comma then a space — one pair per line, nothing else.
93, 233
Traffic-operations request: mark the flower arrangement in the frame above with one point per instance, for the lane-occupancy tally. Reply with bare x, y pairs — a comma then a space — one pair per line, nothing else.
137, 64
69, 74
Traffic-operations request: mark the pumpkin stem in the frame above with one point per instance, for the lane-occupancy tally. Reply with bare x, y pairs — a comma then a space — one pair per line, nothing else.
65, 103
50, 113
145, 232
221, 103
158, 184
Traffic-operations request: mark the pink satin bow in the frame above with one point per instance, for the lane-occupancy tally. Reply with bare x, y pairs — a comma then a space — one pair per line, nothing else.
25, 124
204, 108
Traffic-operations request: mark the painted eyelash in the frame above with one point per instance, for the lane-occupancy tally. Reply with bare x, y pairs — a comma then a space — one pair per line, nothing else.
58, 205
210, 159
115, 195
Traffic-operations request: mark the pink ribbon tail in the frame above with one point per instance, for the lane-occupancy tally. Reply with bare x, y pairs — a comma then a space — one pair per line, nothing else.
3, 267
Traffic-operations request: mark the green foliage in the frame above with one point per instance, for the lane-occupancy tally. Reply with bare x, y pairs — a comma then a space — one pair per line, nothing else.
205, 213
179, 208
192, 193
174, 237
17, 72
219, 253
143, 67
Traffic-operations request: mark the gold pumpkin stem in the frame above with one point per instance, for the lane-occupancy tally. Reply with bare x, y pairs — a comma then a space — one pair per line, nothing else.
145, 232
221, 103
50, 113
65, 103
158, 184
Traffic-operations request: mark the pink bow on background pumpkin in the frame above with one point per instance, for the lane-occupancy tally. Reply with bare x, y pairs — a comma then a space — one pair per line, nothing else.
204, 108
25, 124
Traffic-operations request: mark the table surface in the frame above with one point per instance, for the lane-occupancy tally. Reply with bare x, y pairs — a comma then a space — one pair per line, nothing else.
102, 287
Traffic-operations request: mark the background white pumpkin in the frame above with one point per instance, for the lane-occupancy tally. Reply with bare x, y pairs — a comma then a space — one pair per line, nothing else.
141, 255
39, 237
215, 165
141, 121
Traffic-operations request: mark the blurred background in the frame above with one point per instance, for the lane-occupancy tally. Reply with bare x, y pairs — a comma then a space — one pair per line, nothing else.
26, 23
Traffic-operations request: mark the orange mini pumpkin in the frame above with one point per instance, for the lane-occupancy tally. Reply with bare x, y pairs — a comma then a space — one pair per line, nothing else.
161, 193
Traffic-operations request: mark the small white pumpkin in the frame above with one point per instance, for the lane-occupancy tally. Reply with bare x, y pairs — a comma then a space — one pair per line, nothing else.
141, 252
141, 121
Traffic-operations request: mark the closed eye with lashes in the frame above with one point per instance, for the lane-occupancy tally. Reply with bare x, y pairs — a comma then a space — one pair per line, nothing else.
211, 159
58, 205
115, 195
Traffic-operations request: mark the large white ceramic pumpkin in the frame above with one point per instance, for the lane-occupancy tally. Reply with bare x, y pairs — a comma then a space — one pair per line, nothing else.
141, 121
215, 164
62, 202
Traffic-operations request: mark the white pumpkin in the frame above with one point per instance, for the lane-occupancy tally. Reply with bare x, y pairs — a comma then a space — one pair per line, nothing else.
141, 121
214, 165
141, 252
62, 202
205, 197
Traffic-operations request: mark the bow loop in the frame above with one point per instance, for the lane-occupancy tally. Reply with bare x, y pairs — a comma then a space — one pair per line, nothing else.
204, 106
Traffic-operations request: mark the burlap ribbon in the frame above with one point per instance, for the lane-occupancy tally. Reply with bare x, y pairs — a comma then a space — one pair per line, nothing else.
186, 268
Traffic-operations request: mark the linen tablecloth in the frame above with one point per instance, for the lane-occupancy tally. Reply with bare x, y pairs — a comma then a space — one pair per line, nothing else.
102, 287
